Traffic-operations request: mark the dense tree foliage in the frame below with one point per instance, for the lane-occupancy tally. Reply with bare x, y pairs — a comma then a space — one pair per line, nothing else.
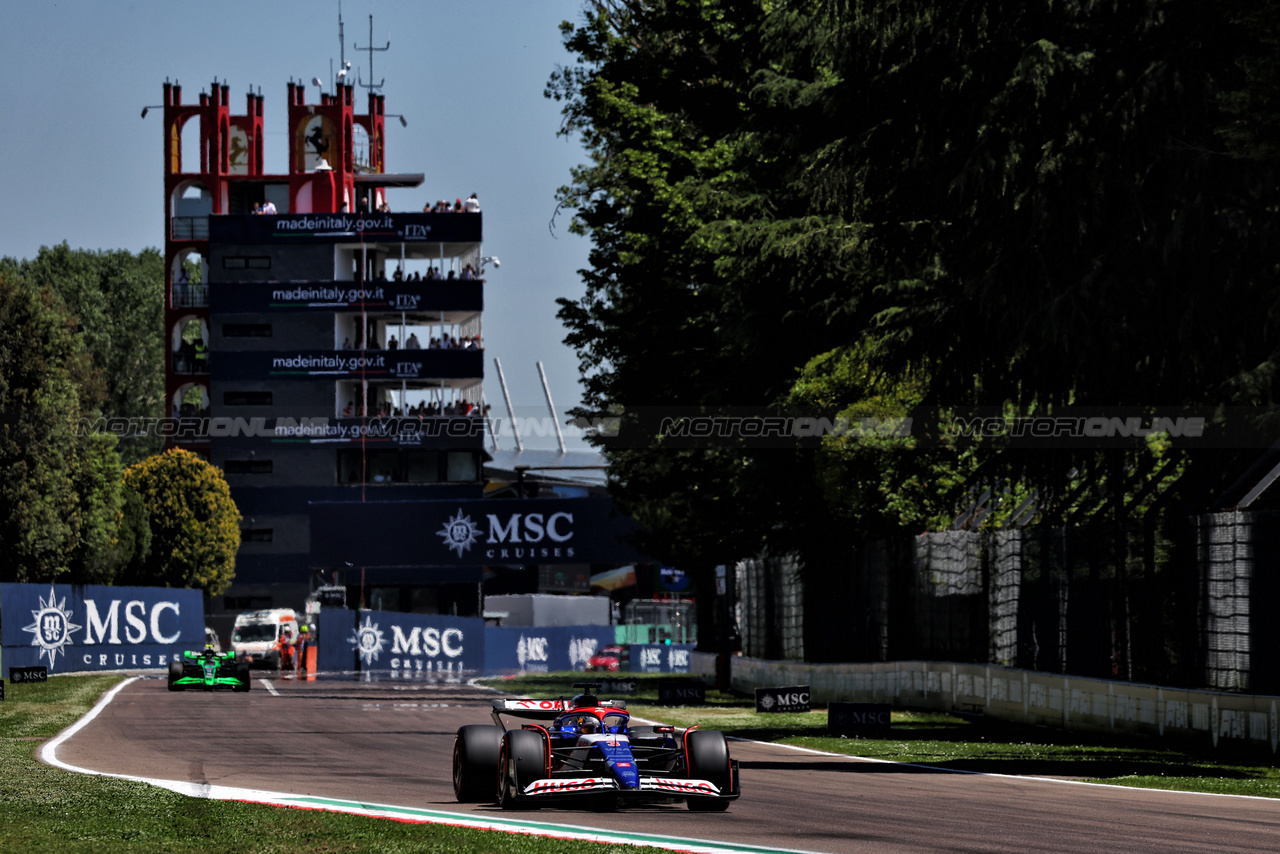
45, 386
194, 524
117, 300
65, 513
877, 206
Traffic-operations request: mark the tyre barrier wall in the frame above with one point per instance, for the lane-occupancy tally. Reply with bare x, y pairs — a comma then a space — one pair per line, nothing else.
74, 629
1028, 697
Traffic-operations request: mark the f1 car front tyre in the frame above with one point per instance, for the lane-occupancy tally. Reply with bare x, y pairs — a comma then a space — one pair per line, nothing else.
708, 759
175, 673
522, 759
475, 763
242, 673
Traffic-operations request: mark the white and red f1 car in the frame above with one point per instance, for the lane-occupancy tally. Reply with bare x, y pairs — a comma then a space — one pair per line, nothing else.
584, 748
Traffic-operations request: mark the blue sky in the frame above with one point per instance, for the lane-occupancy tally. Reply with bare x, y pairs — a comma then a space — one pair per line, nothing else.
80, 165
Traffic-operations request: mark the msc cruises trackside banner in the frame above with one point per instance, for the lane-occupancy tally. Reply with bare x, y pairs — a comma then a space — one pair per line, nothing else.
366, 364
69, 629
343, 227
478, 532
407, 645
263, 297
542, 649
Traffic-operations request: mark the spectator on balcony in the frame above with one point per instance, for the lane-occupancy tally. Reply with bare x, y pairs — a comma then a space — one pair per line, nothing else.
468, 274
269, 208
399, 274
412, 343
451, 277
472, 204
184, 357
457, 206
393, 343
348, 409
346, 343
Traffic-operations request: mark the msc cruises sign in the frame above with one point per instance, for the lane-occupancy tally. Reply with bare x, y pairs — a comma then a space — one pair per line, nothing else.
70, 628
479, 532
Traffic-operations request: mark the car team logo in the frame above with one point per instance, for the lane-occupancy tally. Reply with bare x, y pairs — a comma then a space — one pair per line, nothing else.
368, 640
459, 533
52, 628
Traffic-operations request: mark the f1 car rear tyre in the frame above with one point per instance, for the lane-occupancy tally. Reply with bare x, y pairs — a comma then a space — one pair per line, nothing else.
242, 673
522, 759
175, 673
708, 759
475, 763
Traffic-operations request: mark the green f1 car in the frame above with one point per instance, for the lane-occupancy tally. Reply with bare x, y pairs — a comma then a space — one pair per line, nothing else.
210, 670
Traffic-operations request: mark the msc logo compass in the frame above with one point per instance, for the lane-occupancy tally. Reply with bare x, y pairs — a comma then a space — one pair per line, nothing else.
368, 641
459, 533
52, 628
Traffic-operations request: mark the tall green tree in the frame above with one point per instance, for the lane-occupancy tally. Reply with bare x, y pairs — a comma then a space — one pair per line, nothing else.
659, 94
194, 524
47, 384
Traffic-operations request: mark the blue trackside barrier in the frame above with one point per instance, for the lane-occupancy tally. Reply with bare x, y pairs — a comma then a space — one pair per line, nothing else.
425, 644
72, 629
660, 658
400, 644
542, 649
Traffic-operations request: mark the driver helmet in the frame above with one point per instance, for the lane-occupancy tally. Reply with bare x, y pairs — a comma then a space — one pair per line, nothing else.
587, 723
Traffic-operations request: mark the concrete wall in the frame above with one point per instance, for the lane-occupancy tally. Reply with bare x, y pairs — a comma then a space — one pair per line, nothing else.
1071, 703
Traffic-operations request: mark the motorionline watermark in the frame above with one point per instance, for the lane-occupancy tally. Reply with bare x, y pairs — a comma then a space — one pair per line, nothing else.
323, 429
648, 427
1076, 427
931, 426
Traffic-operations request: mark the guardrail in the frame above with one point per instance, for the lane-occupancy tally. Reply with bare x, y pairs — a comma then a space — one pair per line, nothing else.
1067, 702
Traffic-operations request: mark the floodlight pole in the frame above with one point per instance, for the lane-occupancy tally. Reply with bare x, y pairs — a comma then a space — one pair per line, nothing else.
511, 413
546, 389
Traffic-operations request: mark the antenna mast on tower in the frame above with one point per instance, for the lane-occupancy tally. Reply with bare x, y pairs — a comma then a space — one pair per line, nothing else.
371, 49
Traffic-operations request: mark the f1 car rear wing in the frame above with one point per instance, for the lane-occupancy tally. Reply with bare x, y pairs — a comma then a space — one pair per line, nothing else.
544, 710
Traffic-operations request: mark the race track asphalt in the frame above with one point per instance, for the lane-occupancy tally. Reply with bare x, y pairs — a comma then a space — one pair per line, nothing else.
391, 742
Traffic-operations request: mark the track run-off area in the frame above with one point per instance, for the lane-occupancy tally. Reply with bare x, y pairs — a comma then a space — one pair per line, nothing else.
384, 748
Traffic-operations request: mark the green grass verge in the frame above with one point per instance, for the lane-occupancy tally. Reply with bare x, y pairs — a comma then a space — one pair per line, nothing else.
48, 809
969, 743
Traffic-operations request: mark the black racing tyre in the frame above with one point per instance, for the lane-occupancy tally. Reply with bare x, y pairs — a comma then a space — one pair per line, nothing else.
708, 759
475, 763
242, 673
522, 759
175, 673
